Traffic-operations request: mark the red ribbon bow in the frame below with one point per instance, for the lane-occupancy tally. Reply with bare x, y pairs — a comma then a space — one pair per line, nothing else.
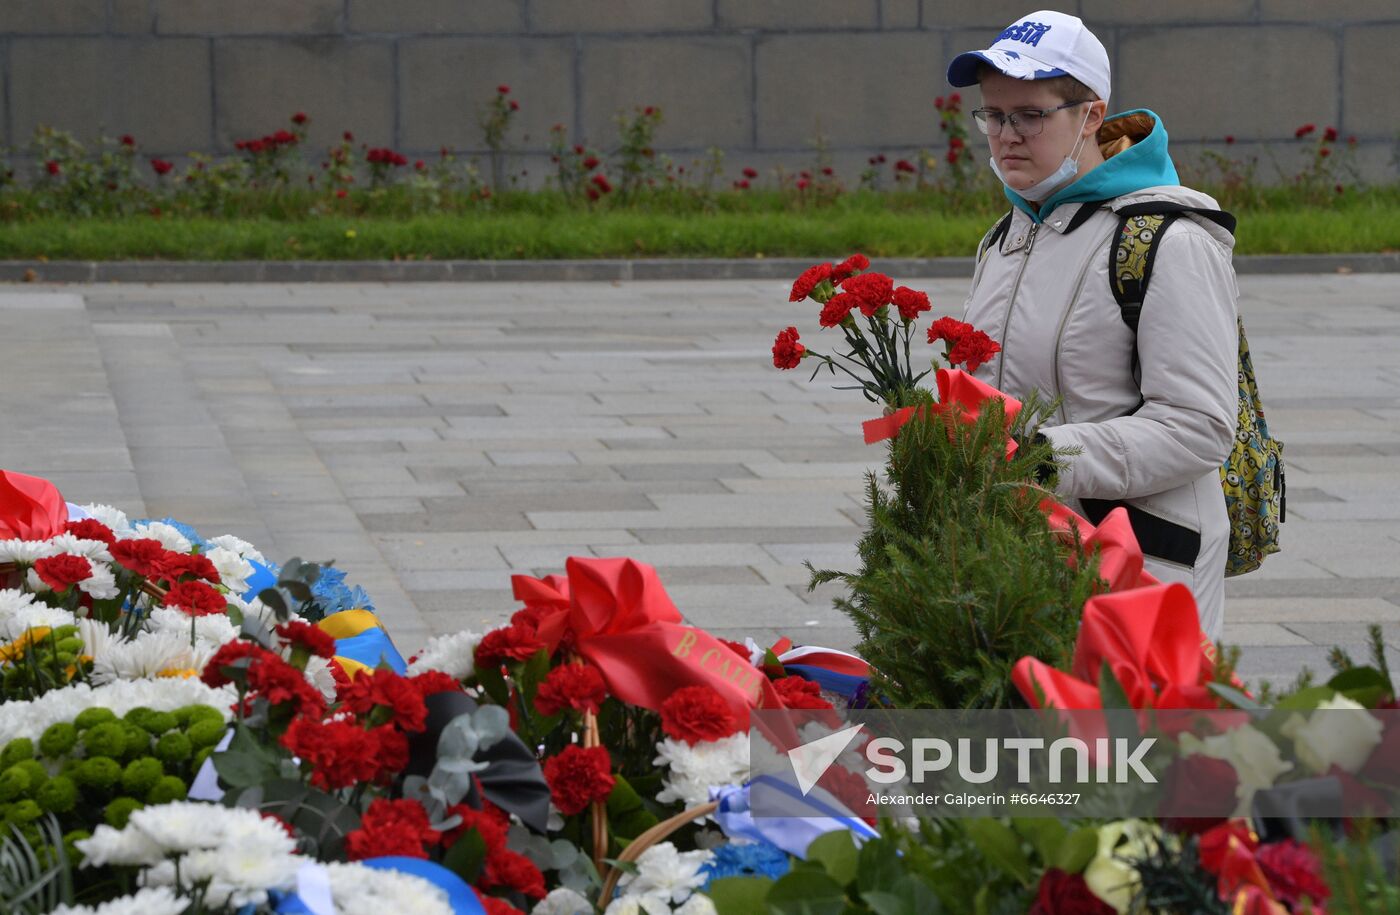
958, 393
1151, 640
620, 619
30, 508
1120, 557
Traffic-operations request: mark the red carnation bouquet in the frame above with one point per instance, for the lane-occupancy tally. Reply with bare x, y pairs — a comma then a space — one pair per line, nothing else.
878, 322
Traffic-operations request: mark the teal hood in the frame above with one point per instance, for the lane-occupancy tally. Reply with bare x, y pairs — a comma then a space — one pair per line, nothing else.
1135, 151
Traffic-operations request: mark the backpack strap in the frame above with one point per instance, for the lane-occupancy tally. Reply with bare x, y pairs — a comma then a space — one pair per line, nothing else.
994, 235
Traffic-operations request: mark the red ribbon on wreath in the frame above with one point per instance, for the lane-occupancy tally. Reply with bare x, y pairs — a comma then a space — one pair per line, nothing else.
958, 393
31, 508
617, 616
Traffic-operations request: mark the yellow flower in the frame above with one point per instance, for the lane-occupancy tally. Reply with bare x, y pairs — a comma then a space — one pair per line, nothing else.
16, 649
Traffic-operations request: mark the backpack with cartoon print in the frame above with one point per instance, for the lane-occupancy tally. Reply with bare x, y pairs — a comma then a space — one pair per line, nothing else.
1252, 476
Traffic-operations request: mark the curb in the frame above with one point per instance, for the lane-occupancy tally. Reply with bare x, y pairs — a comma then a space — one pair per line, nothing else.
571, 270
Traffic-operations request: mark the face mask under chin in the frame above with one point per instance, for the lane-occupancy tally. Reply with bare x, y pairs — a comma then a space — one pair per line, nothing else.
1046, 187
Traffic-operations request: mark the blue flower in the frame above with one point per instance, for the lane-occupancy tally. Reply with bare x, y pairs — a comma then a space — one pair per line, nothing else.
747, 859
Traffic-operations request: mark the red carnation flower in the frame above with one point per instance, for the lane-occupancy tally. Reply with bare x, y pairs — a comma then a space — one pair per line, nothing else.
1324, 152
511, 870
230, 652
949, 330
1060, 893
837, 308
161, 167
341, 754
90, 529
52, 167
509, 643
280, 683
955, 99
1294, 872
849, 267
312, 638
491, 826
574, 686
602, 183
195, 598
175, 566
432, 682
591, 162
742, 184
799, 692
503, 89
904, 165
974, 349
910, 302
803, 184
952, 157
1329, 135
300, 118
750, 173
62, 572
956, 143
873, 289
938, 103
1304, 131
140, 556
808, 281
392, 828
128, 140
579, 776
697, 713
385, 688
514, 105
787, 352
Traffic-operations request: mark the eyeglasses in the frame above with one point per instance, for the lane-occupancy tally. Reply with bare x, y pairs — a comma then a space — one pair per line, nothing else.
1026, 122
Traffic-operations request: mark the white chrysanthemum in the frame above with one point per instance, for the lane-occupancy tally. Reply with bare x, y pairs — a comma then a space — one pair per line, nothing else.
12, 601
169, 537
694, 769
697, 904
237, 545
25, 552
318, 674
664, 872
244, 858
563, 901
31, 718
253, 609
157, 901
215, 628
94, 550
148, 655
124, 847
452, 654
112, 517
98, 638
101, 584
34, 617
359, 890
234, 570
186, 826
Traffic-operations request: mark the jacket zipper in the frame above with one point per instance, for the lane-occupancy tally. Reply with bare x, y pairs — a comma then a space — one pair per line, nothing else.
1010, 306
1060, 334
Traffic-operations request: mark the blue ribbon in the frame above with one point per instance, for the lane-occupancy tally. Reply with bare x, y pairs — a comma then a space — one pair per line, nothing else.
370, 648
808, 817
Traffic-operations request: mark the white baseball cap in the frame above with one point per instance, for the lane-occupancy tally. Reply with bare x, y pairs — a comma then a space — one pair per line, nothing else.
1040, 45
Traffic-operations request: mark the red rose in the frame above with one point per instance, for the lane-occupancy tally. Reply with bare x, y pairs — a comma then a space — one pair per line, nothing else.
910, 302
837, 308
1194, 792
576, 686
509, 643
1304, 131
579, 776
313, 639
1060, 893
173, 567
949, 330
697, 713
195, 598
90, 529
974, 349
799, 692
810, 279
787, 352
849, 267
873, 289
492, 828
384, 688
392, 828
140, 556
341, 754
161, 167
1294, 873
64, 571
511, 870
1329, 135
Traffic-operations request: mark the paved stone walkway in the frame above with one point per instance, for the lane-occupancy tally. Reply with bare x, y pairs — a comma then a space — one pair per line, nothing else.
436, 438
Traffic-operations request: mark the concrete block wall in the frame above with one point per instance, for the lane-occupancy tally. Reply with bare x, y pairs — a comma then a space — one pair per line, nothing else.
757, 78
